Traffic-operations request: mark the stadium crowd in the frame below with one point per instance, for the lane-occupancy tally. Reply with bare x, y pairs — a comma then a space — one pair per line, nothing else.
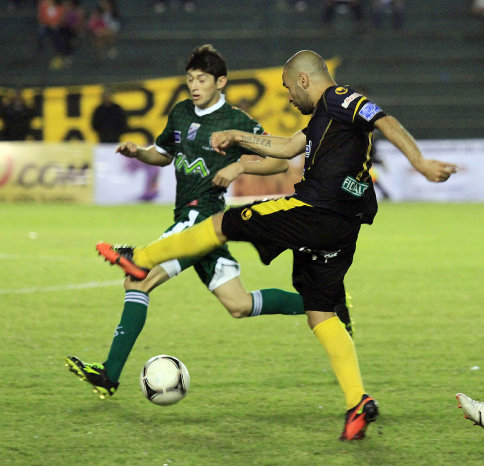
66, 22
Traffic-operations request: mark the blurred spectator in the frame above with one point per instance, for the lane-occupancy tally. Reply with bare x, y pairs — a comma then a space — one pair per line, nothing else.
109, 119
73, 22
331, 7
50, 15
478, 8
395, 8
162, 5
300, 5
17, 117
104, 25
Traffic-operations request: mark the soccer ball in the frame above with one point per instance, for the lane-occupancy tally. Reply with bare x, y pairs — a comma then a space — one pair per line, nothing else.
164, 380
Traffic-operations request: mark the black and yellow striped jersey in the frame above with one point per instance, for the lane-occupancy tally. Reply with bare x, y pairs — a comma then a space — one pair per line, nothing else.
338, 155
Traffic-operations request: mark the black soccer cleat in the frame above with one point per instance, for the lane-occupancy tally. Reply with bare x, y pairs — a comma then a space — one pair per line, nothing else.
95, 374
358, 418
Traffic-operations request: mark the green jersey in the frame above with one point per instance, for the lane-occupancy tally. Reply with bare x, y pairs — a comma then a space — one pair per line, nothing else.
186, 138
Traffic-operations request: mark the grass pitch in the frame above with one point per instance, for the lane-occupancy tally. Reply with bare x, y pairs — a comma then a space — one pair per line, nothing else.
262, 390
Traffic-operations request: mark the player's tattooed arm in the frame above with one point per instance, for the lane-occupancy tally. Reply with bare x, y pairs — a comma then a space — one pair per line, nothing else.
268, 145
254, 139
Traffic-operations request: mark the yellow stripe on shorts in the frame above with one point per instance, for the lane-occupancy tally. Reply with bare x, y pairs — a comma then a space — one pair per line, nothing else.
276, 205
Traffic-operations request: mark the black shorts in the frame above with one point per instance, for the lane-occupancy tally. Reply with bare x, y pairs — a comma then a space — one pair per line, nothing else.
323, 244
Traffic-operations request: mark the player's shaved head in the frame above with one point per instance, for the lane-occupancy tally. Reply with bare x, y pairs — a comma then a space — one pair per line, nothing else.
306, 77
309, 62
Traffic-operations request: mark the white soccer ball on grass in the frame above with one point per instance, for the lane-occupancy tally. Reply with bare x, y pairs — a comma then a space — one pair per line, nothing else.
164, 380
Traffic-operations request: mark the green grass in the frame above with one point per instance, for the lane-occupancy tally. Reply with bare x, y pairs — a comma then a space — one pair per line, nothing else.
262, 392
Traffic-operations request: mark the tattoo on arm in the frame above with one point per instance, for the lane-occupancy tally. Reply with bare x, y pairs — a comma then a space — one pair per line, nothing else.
257, 140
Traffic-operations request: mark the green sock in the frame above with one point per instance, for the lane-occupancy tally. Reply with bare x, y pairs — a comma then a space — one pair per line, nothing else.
275, 301
132, 321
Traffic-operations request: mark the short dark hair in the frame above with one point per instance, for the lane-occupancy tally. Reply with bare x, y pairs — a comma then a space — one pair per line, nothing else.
207, 59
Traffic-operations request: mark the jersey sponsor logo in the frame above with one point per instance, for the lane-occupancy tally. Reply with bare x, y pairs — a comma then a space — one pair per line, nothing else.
341, 90
356, 188
350, 99
369, 110
177, 137
209, 147
192, 131
197, 167
308, 148
246, 214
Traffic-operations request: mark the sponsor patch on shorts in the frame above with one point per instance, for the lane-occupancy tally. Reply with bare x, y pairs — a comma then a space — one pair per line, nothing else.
356, 188
369, 110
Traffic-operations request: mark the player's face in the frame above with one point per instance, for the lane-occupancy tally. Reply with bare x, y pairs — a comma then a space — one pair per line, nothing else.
204, 88
297, 96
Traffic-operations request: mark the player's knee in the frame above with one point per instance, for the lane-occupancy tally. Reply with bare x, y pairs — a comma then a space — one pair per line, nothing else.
134, 285
156, 277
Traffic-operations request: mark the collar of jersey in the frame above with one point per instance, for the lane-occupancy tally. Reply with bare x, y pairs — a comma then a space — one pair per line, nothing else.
205, 111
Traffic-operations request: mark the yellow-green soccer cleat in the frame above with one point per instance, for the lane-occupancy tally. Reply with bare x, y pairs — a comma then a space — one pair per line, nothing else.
95, 374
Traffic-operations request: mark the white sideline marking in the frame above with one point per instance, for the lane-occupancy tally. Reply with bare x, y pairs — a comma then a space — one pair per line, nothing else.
72, 286
14, 257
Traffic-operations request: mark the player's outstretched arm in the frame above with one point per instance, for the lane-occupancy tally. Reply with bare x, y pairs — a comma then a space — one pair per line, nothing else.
271, 146
433, 170
267, 166
148, 155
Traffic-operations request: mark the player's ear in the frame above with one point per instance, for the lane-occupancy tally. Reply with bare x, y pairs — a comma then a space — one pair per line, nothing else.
303, 80
221, 82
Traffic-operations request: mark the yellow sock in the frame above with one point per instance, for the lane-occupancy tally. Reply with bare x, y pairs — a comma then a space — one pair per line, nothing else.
342, 354
192, 242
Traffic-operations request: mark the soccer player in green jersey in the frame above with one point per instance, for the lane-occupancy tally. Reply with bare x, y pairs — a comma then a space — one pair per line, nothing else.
202, 178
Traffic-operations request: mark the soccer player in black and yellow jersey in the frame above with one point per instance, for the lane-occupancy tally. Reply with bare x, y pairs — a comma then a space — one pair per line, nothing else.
202, 178
320, 222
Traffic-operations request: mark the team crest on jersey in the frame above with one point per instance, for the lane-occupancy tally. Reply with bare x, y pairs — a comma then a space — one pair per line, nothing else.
177, 136
369, 110
246, 214
341, 90
192, 131
308, 148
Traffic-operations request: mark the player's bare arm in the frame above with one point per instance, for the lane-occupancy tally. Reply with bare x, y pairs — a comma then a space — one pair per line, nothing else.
148, 155
267, 166
433, 170
271, 146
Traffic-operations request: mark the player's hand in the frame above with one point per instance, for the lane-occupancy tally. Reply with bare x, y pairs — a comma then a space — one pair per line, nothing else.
437, 171
221, 140
128, 149
226, 175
